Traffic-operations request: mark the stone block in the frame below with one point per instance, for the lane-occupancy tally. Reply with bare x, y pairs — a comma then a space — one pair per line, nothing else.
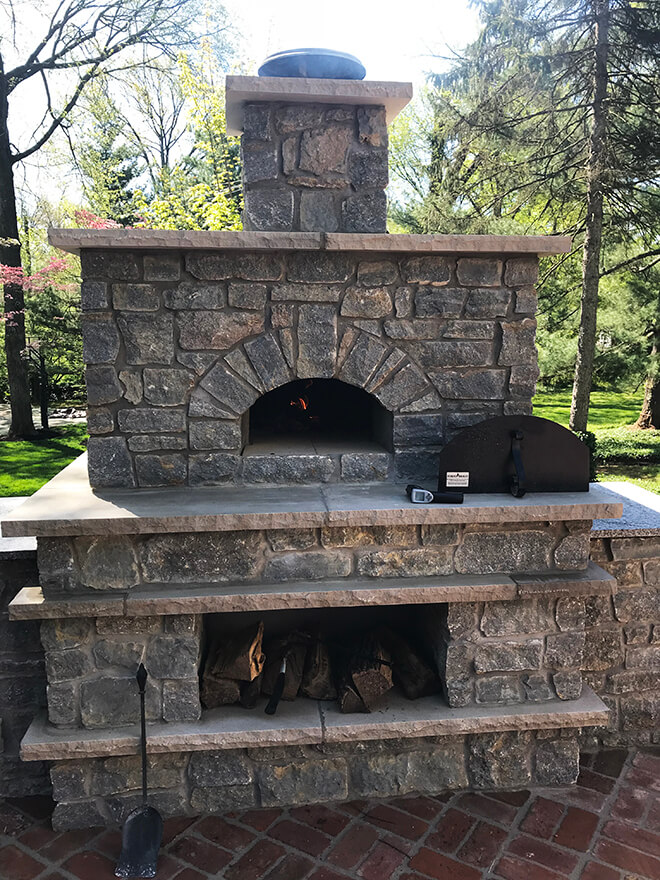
418, 430
77, 814
215, 434
403, 301
302, 782
469, 330
522, 381
640, 711
268, 361
378, 273
183, 624
131, 626
417, 465
115, 702
288, 469
471, 384
256, 122
100, 339
292, 539
268, 210
102, 385
67, 665
404, 386
388, 775
479, 272
109, 652
112, 265
487, 303
439, 534
212, 469
570, 613
107, 563
148, 420
260, 161
100, 421
325, 150
167, 387
498, 689
395, 359
536, 687
508, 656
568, 685
365, 536
289, 154
156, 442
173, 657
135, 297
317, 341
223, 798
426, 270
603, 648
517, 408
419, 328
217, 330
521, 271
372, 126
311, 565
70, 780
366, 303
94, 296
297, 117
527, 301
521, 551
299, 293
132, 389
518, 342
282, 314
514, 617
162, 267
245, 265
148, 339
202, 556
319, 267
168, 803
220, 768
439, 302
631, 682
319, 211
227, 388
636, 633
109, 463
419, 562
572, 553
499, 760
644, 658
368, 168
453, 354
365, 467
247, 296
565, 650
597, 610
362, 360
181, 700
366, 212
189, 295
651, 571
637, 605
67, 632
557, 762
628, 572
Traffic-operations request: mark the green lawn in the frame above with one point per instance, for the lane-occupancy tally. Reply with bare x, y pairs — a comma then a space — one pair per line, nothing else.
607, 409
25, 465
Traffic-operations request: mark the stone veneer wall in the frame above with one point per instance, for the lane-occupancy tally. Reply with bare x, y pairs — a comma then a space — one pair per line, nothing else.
178, 346
314, 167
104, 790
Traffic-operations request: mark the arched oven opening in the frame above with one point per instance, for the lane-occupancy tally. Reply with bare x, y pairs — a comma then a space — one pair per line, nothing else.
319, 415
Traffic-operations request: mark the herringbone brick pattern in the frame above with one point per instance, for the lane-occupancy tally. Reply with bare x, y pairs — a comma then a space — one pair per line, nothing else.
605, 828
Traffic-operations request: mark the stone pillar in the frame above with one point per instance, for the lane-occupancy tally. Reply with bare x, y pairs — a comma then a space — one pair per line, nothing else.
314, 152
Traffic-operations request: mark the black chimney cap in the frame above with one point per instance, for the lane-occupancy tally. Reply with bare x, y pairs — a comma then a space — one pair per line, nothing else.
313, 63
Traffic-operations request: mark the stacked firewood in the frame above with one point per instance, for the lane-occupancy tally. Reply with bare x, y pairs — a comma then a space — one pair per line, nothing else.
357, 673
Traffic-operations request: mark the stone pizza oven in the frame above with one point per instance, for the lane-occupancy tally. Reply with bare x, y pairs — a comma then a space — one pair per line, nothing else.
257, 402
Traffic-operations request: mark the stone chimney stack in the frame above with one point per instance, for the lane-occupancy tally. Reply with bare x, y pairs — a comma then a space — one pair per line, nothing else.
314, 151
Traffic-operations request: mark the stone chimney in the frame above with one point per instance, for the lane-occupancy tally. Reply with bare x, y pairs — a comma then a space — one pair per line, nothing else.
314, 151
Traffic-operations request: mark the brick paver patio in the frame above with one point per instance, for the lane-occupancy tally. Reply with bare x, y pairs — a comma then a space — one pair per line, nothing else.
605, 828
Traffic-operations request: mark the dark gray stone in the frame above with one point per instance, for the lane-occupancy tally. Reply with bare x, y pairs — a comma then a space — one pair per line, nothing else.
162, 267
217, 330
389, 775
113, 265
69, 780
148, 339
215, 434
302, 782
647, 657
569, 613
167, 387
470, 384
483, 552
100, 339
278, 469
518, 342
94, 296
479, 271
640, 711
78, 814
422, 430
522, 381
377, 273
568, 685
135, 297
183, 624
418, 562
537, 689
508, 656
442, 534
470, 330
637, 605
368, 168
527, 301
131, 381
365, 467
156, 442
256, 122
419, 328
319, 267
603, 648
238, 264
100, 421
260, 161
514, 617
360, 302
292, 539
214, 769
102, 385
442, 302
107, 563
362, 360
67, 665
168, 803
67, 632
212, 469
203, 405
311, 565
521, 271
109, 652
565, 650
498, 689
109, 463
557, 762
407, 384
453, 354
128, 626
229, 389
499, 760
417, 465
147, 420
372, 126
172, 657
181, 700
317, 341
202, 556
297, 117
268, 361
425, 270
487, 303
366, 212
115, 702
189, 295
268, 210
319, 211
247, 296
220, 799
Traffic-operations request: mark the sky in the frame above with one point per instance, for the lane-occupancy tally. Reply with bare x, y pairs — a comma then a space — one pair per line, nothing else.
395, 41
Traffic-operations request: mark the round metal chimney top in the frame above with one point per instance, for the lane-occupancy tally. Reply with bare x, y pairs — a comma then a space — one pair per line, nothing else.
313, 63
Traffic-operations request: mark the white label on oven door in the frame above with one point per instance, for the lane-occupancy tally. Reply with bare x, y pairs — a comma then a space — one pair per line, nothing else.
458, 479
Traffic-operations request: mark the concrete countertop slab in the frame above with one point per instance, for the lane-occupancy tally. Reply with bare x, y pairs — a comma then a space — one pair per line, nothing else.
68, 506
15, 548
641, 513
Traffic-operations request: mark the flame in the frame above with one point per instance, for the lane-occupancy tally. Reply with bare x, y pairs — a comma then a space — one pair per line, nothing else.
300, 403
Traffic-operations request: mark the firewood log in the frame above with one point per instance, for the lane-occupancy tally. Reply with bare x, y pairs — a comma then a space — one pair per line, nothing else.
318, 683
411, 671
295, 648
239, 656
368, 673
219, 691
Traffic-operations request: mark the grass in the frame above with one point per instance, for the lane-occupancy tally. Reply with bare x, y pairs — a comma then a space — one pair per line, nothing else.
607, 409
25, 465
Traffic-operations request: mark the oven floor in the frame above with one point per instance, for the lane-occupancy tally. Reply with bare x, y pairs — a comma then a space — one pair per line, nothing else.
309, 444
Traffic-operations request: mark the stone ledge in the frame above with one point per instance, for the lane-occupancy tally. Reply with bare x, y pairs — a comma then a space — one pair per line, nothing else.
240, 90
75, 240
68, 506
309, 722
592, 582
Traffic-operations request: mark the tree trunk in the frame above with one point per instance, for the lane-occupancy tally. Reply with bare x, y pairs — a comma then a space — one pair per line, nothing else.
14, 301
649, 416
596, 165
